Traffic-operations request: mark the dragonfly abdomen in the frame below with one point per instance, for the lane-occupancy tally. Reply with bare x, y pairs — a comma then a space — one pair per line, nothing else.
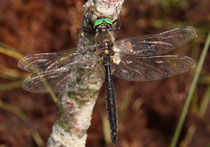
111, 103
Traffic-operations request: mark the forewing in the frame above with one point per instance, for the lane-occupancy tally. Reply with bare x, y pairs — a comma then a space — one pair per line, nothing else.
43, 62
151, 68
155, 44
42, 82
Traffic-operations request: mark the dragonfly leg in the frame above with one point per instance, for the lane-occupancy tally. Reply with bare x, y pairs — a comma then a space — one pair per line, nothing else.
118, 16
115, 21
92, 30
114, 29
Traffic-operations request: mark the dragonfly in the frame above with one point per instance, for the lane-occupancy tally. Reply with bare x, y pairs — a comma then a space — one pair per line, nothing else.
140, 58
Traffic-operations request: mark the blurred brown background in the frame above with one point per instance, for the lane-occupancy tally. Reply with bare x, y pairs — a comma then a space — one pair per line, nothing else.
148, 111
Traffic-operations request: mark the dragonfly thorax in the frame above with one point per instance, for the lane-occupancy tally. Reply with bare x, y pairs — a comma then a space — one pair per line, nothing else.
106, 43
106, 48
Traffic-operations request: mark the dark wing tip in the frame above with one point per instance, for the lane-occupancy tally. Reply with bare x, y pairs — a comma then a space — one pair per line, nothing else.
25, 63
188, 61
191, 62
21, 63
191, 31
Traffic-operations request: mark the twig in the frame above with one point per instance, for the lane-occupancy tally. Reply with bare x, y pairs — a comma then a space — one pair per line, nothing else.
75, 106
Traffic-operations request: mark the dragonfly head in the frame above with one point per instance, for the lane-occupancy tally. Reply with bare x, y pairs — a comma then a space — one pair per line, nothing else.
102, 25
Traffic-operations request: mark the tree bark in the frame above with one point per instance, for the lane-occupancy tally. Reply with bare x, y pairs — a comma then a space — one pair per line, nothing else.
75, 107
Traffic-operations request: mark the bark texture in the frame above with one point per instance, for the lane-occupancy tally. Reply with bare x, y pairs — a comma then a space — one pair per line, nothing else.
75, 106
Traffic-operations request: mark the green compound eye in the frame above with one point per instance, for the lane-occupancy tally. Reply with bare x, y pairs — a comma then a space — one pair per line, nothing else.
108, 21
98, 22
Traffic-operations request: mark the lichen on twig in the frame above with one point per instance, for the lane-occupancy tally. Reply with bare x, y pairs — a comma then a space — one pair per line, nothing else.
75, 106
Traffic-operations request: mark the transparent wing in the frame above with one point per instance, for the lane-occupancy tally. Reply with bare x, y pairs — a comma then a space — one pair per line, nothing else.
40, 83
43, 62
51, 70
151, 68
56, 80
155, 44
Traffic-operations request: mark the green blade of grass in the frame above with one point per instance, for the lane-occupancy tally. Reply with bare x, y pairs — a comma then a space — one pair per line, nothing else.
7, 50
205, 102
10, 86
10, 74
190, 94
24, 117
51, 92
14, 110
202, 110
37, 138
125, 104
106, 130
